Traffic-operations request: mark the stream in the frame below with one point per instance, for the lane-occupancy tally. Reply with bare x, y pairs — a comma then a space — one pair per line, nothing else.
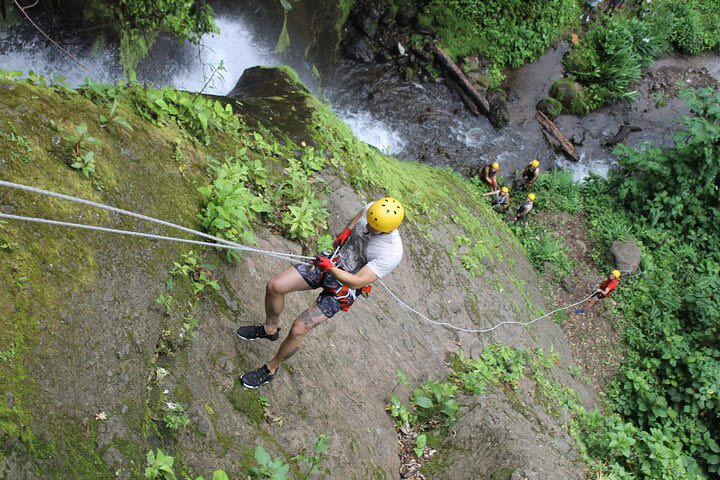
408, 119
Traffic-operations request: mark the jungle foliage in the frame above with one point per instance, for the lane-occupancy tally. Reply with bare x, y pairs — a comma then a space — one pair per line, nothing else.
508, 33
665, 397
142, 20
610, 57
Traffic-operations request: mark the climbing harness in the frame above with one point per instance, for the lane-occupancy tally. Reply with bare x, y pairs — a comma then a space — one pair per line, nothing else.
344, 292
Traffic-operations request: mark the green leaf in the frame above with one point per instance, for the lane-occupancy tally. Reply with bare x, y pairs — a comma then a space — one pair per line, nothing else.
220, 475
423, 402
262, 456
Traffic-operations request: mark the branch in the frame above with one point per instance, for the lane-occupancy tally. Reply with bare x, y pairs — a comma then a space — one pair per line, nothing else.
22, 10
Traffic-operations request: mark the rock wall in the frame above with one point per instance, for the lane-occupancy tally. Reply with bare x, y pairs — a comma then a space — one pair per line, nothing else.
95, 352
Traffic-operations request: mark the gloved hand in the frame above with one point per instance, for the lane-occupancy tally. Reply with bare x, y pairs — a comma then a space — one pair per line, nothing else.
324, 263
342, 238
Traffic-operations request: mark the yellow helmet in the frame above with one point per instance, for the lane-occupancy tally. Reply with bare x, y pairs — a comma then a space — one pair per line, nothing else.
531, 196
495, 166
535, 163
505, 190
385, 215
616, 273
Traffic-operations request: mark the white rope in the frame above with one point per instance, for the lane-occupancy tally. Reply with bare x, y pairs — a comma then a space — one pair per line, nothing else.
279, 255
144, 217
478, 330
224, 244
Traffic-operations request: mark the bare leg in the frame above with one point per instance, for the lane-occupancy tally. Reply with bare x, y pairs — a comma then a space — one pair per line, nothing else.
591, 302
286, 282
306, 321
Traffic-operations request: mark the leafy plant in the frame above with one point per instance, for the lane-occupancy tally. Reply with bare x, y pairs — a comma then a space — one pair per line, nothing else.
175, 416
19, 140
313, 459
85, 163
6, 355
160, 466
113, 117
166, 301
420, 443
268, 468
80, 139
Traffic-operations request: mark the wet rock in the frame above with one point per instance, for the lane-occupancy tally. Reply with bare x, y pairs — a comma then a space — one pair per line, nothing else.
406, 16
568, 284
512, 95
481, 78
569, 94
549, 106
359, 49
627, 255
499, 115
367, 24
514, 445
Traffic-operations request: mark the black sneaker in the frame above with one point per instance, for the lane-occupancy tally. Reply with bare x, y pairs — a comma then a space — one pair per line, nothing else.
257, 377
253, 332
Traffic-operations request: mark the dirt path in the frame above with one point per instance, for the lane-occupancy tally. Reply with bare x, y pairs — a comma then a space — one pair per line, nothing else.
594, 338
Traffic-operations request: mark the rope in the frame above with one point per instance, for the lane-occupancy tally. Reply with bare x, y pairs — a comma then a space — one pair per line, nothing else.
478, 330
146, 218
228, 244
279, 255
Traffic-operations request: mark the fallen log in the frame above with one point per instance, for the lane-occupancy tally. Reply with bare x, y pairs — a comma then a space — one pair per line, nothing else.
565, 144
475, 95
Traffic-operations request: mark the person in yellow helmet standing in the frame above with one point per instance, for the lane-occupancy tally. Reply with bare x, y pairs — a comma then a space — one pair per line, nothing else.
369, 248
530, 173
525, 208
500, 199
488, 173
604, 290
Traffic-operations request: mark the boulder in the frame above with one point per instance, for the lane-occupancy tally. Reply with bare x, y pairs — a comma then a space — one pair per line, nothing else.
550, 107
570, 94
358, 47
406, 16
626, 255
499, 115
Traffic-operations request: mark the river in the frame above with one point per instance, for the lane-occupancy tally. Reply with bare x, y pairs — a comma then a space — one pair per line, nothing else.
409, 119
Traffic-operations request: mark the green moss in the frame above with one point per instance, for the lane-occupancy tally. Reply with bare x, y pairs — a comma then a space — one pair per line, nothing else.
247, 402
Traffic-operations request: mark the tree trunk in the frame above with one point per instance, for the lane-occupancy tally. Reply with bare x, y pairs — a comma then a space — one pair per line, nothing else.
476, 96
565, 144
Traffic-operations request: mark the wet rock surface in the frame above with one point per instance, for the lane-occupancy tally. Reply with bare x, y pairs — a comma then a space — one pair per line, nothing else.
501, 438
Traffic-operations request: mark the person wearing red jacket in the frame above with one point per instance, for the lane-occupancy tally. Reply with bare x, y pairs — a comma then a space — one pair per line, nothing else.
370, 248
604, 290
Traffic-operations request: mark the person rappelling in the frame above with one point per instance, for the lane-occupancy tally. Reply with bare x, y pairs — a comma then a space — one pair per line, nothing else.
369, 248
603, 291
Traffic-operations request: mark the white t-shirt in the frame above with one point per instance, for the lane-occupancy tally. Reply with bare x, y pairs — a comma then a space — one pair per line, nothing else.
382, 252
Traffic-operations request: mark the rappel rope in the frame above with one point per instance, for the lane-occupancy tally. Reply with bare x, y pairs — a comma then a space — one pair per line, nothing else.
70, 198
282, 256
223, 243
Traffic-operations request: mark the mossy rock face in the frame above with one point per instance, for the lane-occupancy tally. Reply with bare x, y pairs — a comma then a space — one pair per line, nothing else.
550, 107
92, 352
274, 96
571, 96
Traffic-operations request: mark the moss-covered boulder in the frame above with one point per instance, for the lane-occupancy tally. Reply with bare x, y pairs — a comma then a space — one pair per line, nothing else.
550, 107
571, 96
